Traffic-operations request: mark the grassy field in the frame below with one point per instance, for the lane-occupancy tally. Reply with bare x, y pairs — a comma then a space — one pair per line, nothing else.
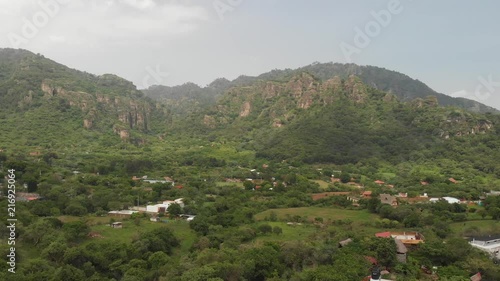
91, 220
295, 232
325, 213
322, 184
222, 183
481, 227
130, 230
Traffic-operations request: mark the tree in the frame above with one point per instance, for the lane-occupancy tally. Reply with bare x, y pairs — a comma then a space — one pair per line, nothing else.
265, 228
160, 239
277, 230
483, 213
69, 273
174, 210
76, 230
345, 177
249, 185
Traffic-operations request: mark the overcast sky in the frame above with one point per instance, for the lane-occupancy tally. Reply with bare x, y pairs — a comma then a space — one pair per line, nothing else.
452, 46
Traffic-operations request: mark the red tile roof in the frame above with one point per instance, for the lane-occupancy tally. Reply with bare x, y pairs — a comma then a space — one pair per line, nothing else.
386, 234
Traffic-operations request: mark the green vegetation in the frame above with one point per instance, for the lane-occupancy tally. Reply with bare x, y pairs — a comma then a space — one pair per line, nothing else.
246, 156
317, 212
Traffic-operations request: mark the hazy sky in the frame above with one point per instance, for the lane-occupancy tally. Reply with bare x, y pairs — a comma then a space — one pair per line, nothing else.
452, 46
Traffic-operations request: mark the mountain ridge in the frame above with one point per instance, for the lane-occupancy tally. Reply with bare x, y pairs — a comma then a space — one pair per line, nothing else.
401, 85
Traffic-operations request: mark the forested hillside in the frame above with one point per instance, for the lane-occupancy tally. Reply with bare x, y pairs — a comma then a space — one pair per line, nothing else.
295, 175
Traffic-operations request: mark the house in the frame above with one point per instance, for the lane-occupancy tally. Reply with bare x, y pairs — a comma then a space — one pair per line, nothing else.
180, 202
403, 195
24, 196
451, 200
407, 238
401, 251
117, 225
452, 180
489, 244
424, 183
386, 234
122, 213
388, 199
156, 209
153, 181
367, 194
493, 193
163, 207
379, 182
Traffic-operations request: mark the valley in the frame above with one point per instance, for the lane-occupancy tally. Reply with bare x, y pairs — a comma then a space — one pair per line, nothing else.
289, 175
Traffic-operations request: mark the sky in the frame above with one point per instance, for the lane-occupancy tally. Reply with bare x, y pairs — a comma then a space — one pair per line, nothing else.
451, 45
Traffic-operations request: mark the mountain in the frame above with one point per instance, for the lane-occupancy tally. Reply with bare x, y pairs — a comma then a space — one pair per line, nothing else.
402, 86
46, 103
337, 120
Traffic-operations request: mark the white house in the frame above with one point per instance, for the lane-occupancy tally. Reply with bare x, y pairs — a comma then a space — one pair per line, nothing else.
158, 208
180, 201
489, 244
451, 200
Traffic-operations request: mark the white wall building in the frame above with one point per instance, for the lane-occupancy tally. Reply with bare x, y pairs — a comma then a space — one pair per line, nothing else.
451, 200
489, 244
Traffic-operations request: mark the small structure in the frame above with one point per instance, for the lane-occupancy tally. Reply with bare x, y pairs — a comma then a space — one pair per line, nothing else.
344, 243
122, 213
376, 275
388, 199
493, 193
117, 225
476, 277
489, 244
24, 196
95, 235
451, 200
407, 238
367, 194
187, 217
401, 251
